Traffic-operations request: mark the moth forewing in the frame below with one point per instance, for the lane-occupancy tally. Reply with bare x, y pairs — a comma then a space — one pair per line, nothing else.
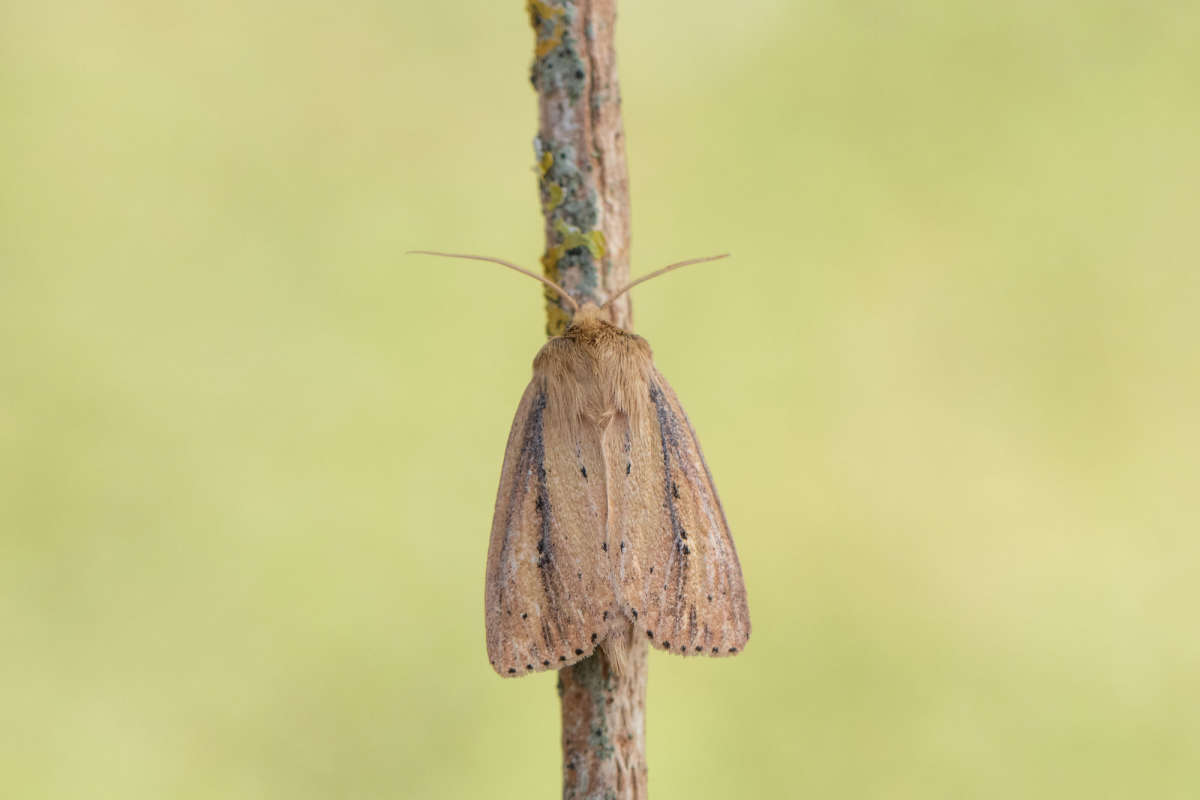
550, 598
677, 568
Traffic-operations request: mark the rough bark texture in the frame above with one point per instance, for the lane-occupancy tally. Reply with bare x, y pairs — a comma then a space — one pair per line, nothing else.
604, 728
580, 149
584, 188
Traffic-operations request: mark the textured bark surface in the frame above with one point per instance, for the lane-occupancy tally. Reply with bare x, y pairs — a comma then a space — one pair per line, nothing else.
580, 149
584, 189
604, 727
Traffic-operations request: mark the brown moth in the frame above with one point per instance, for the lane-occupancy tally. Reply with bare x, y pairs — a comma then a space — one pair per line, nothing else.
606, 515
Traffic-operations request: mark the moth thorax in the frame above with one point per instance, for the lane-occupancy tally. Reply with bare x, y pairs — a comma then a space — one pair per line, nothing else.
623, 378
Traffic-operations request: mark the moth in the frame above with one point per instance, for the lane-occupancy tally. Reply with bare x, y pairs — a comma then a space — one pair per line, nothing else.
606, 517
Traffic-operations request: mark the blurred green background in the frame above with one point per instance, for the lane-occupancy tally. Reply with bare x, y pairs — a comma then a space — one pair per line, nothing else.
948, 388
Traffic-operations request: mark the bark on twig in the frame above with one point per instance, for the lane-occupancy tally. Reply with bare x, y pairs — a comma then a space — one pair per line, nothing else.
580, 149
604, 727
584, 187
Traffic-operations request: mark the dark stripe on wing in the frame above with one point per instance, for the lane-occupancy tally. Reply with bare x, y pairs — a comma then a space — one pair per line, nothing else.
668, 425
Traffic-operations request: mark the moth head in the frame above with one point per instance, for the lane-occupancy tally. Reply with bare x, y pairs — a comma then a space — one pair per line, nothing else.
588, 314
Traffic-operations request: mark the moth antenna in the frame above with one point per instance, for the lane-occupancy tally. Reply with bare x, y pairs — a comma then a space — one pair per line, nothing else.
503, 263
658, 272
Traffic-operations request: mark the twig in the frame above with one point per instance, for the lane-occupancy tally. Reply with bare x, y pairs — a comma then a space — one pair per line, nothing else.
584, 189
580, 149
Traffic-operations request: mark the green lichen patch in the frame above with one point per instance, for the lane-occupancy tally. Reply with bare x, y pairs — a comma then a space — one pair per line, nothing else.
557, 63
564, 191
599, 742
577, 247
599, 685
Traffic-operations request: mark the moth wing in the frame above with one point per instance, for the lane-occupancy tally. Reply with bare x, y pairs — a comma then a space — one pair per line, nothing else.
549, 593
676, 567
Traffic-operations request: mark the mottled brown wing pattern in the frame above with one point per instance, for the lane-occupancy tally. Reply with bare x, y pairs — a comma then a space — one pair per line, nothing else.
677, 571
549, 592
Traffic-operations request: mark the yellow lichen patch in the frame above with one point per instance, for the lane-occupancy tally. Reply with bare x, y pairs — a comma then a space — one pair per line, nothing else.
547, 162
569, 238
550, 262
555, 196
573, 237
597, 244
547, 45
557, 318
539, 12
